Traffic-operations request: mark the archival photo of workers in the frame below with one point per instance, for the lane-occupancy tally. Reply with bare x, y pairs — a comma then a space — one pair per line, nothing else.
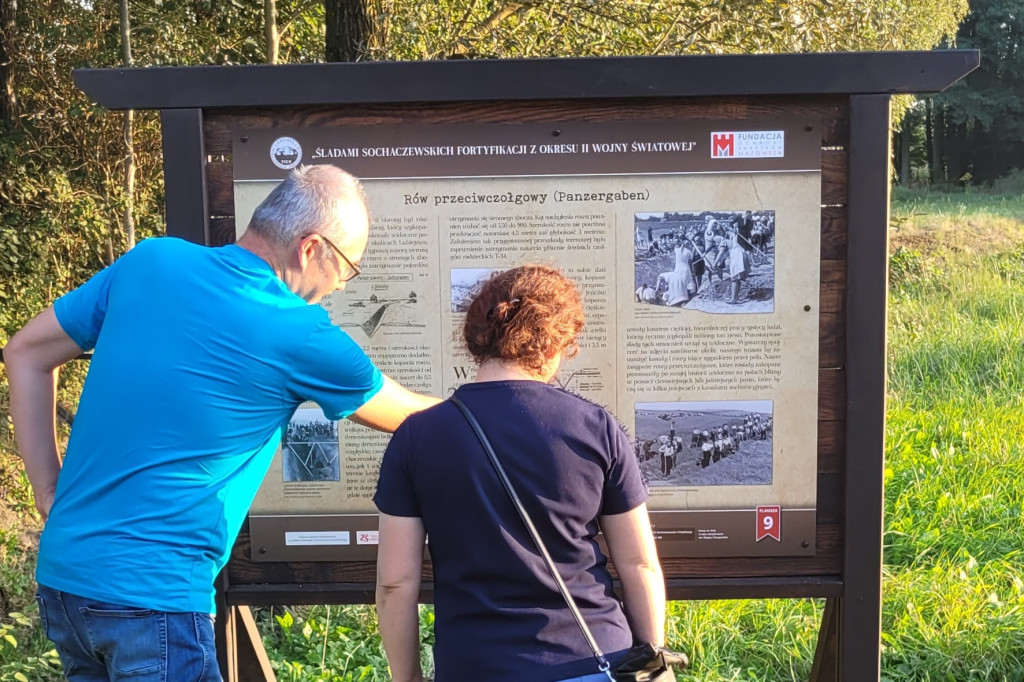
309, 447
465, 283
713, 261
705, 443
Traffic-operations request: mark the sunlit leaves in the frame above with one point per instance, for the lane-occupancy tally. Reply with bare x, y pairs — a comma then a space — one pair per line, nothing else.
541, 28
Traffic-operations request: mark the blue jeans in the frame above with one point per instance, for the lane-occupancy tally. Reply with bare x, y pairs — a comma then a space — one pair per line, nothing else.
100, 642
593, 677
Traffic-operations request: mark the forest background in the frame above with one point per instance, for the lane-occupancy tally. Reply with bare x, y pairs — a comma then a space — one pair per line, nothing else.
79, 185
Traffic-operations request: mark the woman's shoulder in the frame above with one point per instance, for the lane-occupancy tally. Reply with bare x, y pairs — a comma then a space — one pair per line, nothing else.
435, 416
570, 398
590, 408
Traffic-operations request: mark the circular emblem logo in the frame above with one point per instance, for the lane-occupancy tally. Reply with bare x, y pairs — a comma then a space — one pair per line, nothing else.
286, 152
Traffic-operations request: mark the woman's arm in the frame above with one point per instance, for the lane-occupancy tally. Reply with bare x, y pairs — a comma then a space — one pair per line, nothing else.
631, 545
399, 564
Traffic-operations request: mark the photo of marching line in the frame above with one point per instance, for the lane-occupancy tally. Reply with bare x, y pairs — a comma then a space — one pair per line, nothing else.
712, 261
309, 447
705, 443
465, 283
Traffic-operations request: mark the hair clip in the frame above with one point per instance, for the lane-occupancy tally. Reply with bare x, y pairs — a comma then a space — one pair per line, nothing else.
511, 308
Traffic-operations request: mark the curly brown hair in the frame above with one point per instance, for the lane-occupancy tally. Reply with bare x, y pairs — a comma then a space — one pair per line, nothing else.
524, 315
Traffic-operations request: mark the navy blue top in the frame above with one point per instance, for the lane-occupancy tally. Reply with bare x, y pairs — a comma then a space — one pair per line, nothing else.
499, 616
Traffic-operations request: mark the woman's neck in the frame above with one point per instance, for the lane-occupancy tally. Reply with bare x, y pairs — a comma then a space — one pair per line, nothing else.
498, 370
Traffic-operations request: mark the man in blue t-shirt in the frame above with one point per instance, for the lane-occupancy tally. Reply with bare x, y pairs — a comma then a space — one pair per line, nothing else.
200, 357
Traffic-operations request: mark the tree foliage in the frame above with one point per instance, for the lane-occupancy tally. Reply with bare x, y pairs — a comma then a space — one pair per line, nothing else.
61, 191
978, 126
549, 28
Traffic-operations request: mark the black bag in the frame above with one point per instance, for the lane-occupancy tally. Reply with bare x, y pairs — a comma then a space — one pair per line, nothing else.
643, 662
648, 663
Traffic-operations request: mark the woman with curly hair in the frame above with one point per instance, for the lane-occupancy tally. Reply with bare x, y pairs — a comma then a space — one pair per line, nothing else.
498, 615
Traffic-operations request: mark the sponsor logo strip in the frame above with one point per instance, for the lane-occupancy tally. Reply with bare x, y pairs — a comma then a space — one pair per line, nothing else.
748, 144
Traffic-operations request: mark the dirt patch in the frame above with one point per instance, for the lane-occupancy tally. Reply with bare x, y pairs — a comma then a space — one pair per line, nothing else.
942, 233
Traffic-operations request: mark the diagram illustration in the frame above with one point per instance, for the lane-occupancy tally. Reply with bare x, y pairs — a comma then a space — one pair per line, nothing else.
386, 312
580, 380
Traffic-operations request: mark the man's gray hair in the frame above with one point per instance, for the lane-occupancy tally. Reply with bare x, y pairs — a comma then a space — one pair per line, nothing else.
308, 201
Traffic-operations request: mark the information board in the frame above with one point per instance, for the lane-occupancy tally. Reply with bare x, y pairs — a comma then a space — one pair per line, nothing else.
695, 244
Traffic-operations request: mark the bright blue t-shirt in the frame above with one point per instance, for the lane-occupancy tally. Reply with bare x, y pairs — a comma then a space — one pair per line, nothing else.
201, 357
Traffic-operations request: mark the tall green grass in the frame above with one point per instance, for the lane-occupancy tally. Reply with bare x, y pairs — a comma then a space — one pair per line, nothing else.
954, 583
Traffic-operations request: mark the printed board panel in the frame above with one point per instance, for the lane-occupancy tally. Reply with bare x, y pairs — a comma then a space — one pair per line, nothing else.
696, 246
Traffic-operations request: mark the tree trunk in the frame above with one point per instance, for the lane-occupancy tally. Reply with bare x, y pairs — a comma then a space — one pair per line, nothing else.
982, 164
348, 29
8, 10
929, 140
935, 152
958, 157
905, 167
129, 142
270, 29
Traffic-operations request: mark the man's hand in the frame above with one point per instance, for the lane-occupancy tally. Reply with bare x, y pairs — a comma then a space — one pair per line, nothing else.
44, 500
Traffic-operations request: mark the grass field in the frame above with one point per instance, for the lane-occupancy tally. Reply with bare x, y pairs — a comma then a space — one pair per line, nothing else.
953, 602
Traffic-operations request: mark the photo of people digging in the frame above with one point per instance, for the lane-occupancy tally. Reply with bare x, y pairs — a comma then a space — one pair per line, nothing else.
713, 261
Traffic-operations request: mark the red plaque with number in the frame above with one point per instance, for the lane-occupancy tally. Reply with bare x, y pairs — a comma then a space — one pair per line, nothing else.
769, 522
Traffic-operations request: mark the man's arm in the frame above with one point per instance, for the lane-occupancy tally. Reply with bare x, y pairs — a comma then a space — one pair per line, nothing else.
631, 545
32, 358
399, 563
390, 406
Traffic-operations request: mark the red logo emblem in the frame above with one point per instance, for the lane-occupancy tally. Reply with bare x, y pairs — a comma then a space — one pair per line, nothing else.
723, 145
769, 523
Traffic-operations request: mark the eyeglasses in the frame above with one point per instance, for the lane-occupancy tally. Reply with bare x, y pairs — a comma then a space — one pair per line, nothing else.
355, 268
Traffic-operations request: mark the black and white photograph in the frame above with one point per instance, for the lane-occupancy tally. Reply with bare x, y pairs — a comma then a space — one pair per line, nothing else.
309, 447
705, 443
465, 283
712, 261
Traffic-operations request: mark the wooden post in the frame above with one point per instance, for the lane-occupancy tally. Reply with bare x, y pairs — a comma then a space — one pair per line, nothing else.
826, 656
240, 652
860, 609
185, 175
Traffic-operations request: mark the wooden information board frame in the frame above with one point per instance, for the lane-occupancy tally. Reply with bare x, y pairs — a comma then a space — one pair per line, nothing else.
849, 93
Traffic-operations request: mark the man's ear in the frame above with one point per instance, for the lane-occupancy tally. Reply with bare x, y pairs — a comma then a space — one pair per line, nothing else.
306, 249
